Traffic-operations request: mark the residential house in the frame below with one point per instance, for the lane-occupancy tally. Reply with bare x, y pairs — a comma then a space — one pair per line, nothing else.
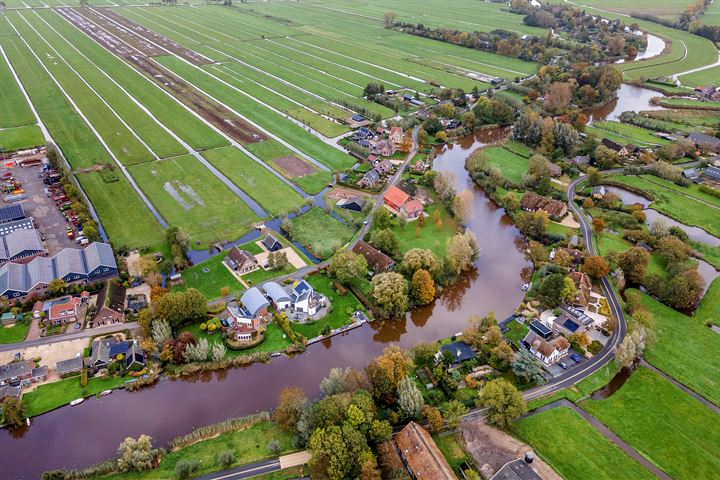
9, 391
704, 141
64, 313
363, 133
584, 288
372, 159
541, 329
246, 318
548, 352
136, 302
377, 260
15, 373
384, 167
614, 146
421, 456
692, 175
570, 321
396, 135
93, 263
516, 470
533, 202
579, 160
241, 261
577, 257
354, 204
458, 351
278, 295
107, 350
384, 148
598, 193
364, 143
370, 179
413, 208
305, 299
395, 198
134, 357
69, 366
453, 123
271, 243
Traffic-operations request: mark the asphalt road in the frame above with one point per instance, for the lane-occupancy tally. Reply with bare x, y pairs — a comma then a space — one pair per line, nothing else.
244, 471
86, 333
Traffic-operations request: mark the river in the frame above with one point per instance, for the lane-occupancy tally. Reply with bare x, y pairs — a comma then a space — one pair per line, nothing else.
90, 432
629, 97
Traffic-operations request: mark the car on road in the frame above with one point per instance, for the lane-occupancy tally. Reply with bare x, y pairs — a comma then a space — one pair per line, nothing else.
365, 222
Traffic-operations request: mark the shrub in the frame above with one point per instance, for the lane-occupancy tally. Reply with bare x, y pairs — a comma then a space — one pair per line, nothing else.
595, 347
225, 459
273, 447
185, 469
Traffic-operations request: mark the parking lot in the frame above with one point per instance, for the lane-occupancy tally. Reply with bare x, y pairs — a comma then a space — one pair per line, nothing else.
570, 361
49, 220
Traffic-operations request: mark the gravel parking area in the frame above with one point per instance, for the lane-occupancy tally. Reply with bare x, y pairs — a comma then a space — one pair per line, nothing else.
48, 218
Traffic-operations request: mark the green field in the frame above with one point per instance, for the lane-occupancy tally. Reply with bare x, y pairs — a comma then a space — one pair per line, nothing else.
670, 428
265, 188
431, 236
58, 394
608, 242
14, 110
687, 103
209, 283
188, 195
703, 77
698, 367
20, 138
15, 333
511, 165
674, 202
320, 233
711, 16
666, 10
631, 133
574, 448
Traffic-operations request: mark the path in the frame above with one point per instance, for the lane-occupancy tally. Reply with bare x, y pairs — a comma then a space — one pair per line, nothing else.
600, 427
86, 333
258, 468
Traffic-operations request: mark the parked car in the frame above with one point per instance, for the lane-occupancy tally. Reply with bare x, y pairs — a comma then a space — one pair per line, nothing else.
575, 357
563, 365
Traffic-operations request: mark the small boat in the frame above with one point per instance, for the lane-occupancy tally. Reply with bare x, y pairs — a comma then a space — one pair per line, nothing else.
105, 392
275, 354
77, 401
27, 421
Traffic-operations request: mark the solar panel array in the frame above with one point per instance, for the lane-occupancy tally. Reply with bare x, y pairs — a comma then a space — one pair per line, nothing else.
580, 315
540, 328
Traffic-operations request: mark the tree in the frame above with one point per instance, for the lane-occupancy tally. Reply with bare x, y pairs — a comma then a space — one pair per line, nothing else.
197, 352
423, 287
335, 452
422, 136
386, 241
562, 258
569, 290
217, 352
180, 307
390, 291
372, 89
598, 224
616, 45
527, 368
291, 402
594, 177
186, 468
334, 383
502, 355
461, 251
432, 125
510, 202
423, 354
347, 266
410, 400
580, 340
13, 411
605, 157
631, 348
551, 289
463, 205
277, 260
225, 458
684, 290
453, 412
418, 258
596, 267
503, 401
161, 332
634, 264
673, 252
444, 184
386, 371
274, 447
136, 455
533, 224
57, 286
389, 18
382, 219
434, 418
558, 97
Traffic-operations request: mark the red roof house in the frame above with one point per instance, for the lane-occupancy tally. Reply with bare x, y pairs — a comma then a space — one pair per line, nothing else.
413, 208
395, 198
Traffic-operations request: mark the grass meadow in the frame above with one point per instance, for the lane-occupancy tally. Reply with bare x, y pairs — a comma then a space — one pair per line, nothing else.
19, 138
319, 232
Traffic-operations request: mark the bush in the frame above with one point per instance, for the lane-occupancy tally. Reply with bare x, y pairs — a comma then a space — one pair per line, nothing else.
273, 447
184, 469
595, 347
225, 459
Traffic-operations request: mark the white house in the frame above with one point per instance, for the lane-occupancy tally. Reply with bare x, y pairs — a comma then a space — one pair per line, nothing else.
278, 295
549, 352
305, 300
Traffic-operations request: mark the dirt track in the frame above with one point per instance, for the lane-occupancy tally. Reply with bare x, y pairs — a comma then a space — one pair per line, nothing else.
136, 50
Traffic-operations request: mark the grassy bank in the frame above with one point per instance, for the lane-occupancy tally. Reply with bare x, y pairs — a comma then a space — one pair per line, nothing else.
57, 394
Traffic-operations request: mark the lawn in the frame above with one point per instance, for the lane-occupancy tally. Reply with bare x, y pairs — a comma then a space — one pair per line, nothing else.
20, 138
15, 333
451, 448
262, 185
342, 305
209, 283
57, 394
698, 367
670, 428
248, 445
574, 448
633, 133
617, 138
608, 242
188, 195
431, 236
516, 332
275, 340
320, 233
14, 110
685, 209
687, 103
511, 165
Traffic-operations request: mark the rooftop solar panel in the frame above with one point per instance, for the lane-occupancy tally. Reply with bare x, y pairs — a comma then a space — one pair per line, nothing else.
540, 328
11, 213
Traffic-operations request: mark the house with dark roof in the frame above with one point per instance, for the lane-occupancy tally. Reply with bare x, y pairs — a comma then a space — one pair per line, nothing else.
421, 456
9, 391
532, 202
271, 243
306, 300
377, 260
363, 133
106, 351
370, 179
548, 352
69, 366
704, 141
384, 167
614, 146
516, 470
354, 204
458, 351
15, 373
241, 261
279, 296
692, 175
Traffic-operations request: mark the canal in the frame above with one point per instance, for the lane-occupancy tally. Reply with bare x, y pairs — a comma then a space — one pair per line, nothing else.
90, 432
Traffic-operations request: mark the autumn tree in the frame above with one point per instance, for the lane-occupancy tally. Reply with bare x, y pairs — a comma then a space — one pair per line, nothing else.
594, 177
419, 258
463, 205
57, 286
453, 412
461, 251
389, 18
684, 290
558, 97
634, 263
180, 307
434, 418
390, 291
598, 224
410, 400
631, 348
533, 224
504, 403
335, 452
386, 241
13, 411
386, 371
291, 402
501, 356
347, 266
444, 184
136, 455
673, 252
605, 157
596, 267
423, 287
